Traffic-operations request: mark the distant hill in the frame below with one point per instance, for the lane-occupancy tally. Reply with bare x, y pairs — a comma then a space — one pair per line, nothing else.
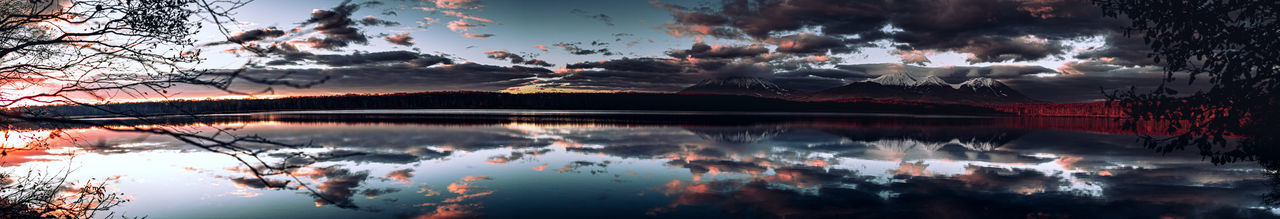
749, 86
491, 100
897, 87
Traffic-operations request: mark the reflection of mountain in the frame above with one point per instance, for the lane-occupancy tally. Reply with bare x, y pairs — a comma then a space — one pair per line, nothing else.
976, 138
737, 134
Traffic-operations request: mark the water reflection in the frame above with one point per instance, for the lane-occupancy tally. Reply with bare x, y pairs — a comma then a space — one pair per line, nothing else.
550, 167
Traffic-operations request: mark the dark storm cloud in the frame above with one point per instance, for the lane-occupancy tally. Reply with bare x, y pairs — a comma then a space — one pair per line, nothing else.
994, 31
761, 18
671, 74
337, 26
1086, 67
969, 25
1021, 49
810, 43
1121, 50
516, 59
252, 35
702, 50
600, 16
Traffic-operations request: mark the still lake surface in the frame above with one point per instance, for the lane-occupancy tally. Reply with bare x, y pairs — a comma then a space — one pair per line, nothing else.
565, 164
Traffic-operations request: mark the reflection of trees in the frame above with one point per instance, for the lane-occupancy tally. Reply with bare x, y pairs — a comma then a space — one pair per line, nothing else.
1228, 43
74, 52
39, 194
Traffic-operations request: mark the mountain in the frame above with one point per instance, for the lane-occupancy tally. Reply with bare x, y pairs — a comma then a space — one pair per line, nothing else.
896, 79
890, 86
746, 86
931, 81
987, 88
903, 87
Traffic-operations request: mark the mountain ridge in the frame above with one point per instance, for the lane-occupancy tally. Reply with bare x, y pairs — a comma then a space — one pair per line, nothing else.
896, 86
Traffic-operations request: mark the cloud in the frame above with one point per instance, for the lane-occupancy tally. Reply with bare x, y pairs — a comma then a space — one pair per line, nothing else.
1129, 51
917, 57
337, 26
718, 166
993, 31
810, 44
254, 35
573, 48
671, 74
540, 47
338, 187
402, 39
1086, 81
656, 65
465, 20
516, 59
1000, 49
477, 36
1085, 67
360, 156
758, 19
600, 17
458, 4
260, 183
373, 21
404, 175
702, 50
465, 16
400, 57
950, 73
685, 30
463, 26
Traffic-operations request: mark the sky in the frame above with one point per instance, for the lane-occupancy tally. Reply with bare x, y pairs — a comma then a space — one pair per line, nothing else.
1052, 50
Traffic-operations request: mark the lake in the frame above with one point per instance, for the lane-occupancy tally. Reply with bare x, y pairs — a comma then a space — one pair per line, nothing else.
567, 164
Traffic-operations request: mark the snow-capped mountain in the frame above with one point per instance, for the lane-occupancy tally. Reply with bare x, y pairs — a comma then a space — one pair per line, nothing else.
895, 79
900, 86
931, 81
987, 86
748, 86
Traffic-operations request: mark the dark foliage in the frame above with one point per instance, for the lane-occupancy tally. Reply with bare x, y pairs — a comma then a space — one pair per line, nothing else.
1233, 44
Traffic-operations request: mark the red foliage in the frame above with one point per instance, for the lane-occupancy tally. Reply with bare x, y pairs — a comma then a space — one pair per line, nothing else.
1093, 109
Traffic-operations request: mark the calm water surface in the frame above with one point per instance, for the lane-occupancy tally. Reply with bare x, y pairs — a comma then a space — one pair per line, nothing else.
384, 165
